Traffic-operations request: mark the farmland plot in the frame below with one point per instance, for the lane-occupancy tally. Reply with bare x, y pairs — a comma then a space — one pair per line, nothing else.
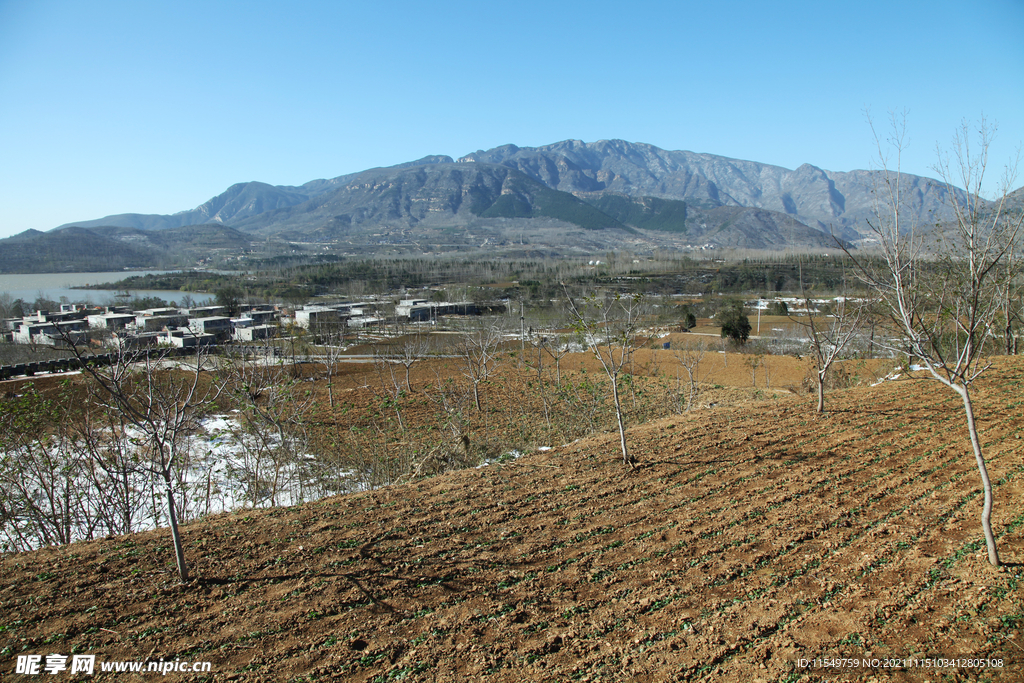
746, 543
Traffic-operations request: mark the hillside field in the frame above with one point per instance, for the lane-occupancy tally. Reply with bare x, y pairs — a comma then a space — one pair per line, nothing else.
749, 538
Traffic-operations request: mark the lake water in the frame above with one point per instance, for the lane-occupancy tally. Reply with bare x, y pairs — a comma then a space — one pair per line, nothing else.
29, 286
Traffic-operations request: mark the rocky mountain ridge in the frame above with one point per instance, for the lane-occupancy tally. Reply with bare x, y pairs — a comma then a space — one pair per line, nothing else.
825, 200
608, 189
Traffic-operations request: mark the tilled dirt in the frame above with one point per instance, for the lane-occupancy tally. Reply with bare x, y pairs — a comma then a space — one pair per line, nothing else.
747, 541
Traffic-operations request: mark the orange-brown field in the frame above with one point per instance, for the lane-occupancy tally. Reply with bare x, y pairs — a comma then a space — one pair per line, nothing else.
752, 538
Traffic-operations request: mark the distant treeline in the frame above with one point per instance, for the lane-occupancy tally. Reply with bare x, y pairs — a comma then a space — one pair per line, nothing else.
295, 282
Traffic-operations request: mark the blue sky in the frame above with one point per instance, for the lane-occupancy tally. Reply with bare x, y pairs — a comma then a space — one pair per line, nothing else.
154, 107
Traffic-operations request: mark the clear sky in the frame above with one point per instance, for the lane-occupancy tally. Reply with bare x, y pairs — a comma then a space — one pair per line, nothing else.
154, 107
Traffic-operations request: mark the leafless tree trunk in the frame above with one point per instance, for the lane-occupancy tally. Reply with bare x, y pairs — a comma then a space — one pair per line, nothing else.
452, 449
540, 343
479, 352
42, 497
390, 384
330, 337
609, 327
753, 361
116, 469
162, 398
829, 334
410, 352
273, 406
557, 347
690, 357
945, 319
1012, 295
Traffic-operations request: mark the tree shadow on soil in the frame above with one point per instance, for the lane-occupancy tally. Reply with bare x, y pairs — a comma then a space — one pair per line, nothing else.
859, 411
648, 464
362, 579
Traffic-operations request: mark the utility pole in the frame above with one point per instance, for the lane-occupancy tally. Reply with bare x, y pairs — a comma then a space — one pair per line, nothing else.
522, 333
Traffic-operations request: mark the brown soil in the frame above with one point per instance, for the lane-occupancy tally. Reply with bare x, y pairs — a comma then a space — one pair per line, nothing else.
747, 539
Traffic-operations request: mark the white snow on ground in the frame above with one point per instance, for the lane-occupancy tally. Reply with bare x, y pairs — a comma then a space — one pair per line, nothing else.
42, 375
222, 468
896, 374
217, 475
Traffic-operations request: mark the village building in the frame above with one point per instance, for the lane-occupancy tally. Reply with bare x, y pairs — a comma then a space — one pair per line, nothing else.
110, 321
314, 316
157, 323
252, 333
185, 338
219, 326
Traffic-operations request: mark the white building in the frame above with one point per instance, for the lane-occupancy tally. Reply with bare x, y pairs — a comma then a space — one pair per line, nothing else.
317, 315
219, 326
110, 321
255, 333
185, 338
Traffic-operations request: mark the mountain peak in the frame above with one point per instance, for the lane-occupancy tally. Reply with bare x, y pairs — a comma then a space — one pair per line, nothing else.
426, 161
434, 190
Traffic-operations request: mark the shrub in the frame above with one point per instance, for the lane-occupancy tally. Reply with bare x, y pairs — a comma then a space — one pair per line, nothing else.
735, 324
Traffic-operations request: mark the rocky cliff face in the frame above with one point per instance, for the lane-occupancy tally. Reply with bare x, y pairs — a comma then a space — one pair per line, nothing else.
441, 194
564, 183
816, 197
243, 200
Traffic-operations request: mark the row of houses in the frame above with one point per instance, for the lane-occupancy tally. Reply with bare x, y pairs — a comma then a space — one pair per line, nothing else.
417, 310
339, 315
362, 315
189, 327
171, 326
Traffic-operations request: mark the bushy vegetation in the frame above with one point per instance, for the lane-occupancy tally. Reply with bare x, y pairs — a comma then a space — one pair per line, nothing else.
530, 199
647, 213
735, 324
293, 280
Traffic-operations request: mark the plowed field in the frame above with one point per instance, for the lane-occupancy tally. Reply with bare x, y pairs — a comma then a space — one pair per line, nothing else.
748, 541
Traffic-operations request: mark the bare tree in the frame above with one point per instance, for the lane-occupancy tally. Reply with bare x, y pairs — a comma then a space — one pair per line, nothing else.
946, 309
42, 500
609, 326
829, 333
452, 448
116, 469
1013, 298
558, 346
540, 343
690, 357
330, 336
410, 351
298, 343
753, 359
478, 349
162, 399
389, 381
273, 406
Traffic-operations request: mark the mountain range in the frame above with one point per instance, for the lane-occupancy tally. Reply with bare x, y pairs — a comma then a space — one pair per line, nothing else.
565, 197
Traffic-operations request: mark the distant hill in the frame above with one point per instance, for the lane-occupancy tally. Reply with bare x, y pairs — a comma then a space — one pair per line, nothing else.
237, 202
568, 195
70, 249
108, 248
